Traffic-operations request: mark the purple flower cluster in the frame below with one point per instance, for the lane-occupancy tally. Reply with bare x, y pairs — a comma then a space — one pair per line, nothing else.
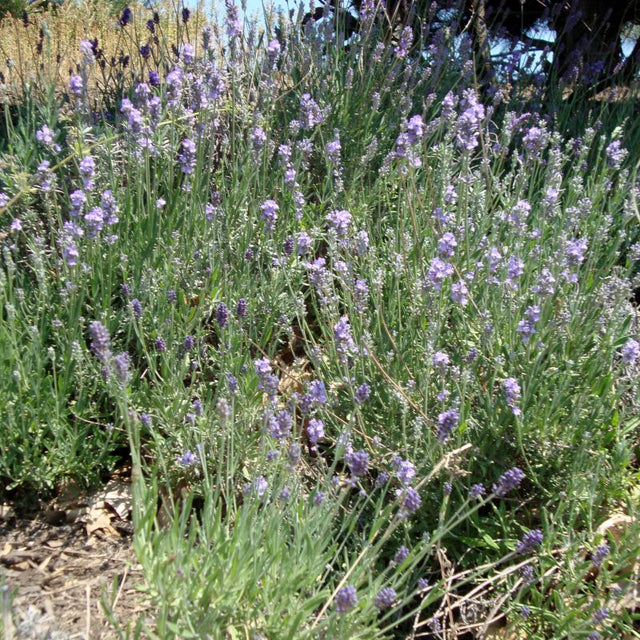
345, 345
512, 394
630, 351
339, 222
599, 555
358, 463
527, 327
269, 214
447, 421
280, 425
385, 598
346, 599
469, 123
187, 156
507, 482
530, 541
407, 143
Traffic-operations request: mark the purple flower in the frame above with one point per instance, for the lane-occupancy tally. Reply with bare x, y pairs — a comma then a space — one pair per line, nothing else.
87, 172
189, 343
145, 418
303, 243
310, 112
346, 599
515, 268
241, 308
136, 306
438, 272
469, 122
406, 40
187, 53
600, 616
382, 479
339, 221
459, 293
630, 351
121, 365
222, 315
160, 345
76, 85
615, 154
527, 575
45, 135
530, 541
345, 345
512, 393
401, 555
258, 138
441, 361
317, 392
385, 598
527, 327
232, 21
269, 214
100, 341
187, 156
70, 252
507, 482
358, 463
362, 393
273, 52
446, 423
188, 459
535, 140
315, 431
333, 151
410, 502
574, 252
477, 491
544, 286
280, 425
125, 17
95, 221
319, 498
599, 554
405, 471
4, 199
447, 245
260, 486
45, 176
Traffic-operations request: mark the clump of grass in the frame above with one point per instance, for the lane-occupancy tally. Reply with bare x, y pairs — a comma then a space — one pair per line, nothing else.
369, 341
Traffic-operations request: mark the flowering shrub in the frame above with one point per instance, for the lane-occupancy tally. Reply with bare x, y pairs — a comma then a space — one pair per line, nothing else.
378, 323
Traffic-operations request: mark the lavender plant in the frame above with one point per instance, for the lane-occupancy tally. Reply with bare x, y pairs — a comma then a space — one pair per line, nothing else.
370, 338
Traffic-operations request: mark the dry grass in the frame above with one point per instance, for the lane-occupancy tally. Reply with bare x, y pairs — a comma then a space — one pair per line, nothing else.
45, 52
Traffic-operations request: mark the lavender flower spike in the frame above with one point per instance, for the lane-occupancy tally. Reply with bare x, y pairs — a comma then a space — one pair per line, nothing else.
507, 482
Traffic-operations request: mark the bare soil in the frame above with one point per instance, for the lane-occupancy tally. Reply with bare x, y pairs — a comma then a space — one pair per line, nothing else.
61, 566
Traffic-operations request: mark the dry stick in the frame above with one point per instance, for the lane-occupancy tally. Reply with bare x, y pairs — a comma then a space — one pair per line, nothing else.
88, 615
124, 579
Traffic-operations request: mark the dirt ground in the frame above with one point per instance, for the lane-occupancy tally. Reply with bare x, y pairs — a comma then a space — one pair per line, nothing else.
59, 567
